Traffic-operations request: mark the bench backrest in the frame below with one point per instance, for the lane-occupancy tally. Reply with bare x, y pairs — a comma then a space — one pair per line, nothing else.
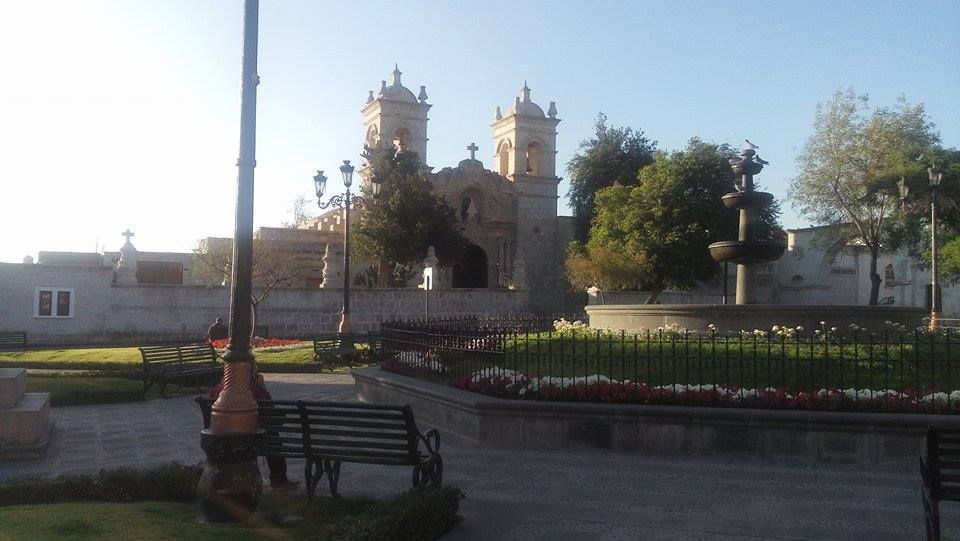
943, 457
261, 331
13, 339
158, 358
359, 432
280, 420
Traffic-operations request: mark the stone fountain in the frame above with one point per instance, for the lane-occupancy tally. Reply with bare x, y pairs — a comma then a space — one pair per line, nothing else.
748, 250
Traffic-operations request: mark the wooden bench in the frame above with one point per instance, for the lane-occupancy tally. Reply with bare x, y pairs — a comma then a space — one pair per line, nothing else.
331, 348
162, 364
13, 340
940, 470
327, 434
261, 331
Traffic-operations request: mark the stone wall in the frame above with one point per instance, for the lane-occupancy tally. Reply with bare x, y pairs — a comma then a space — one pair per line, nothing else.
860, 440
111, 313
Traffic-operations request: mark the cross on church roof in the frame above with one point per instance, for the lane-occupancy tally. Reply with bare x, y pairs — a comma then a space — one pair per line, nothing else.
127, 234
473, 148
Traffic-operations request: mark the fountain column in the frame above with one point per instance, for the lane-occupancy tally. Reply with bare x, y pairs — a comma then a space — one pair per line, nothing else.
747, 251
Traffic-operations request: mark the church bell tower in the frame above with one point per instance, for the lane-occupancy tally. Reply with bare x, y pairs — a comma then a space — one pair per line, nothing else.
395, 116
525, 141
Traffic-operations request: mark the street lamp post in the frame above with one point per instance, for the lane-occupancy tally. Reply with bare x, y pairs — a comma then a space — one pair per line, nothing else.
935, 176
230, 484
343, 201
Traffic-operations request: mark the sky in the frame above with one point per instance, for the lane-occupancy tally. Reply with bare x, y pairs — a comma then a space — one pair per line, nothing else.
125, 113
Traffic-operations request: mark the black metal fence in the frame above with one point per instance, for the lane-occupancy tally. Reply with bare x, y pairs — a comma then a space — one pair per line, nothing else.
527, 357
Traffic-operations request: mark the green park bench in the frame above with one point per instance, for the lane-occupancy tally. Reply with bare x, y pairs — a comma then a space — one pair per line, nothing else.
13, 340
332, 349
192, 362
326, 434
940, 470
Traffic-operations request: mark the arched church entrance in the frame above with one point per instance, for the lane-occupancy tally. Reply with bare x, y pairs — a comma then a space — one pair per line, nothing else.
471, 271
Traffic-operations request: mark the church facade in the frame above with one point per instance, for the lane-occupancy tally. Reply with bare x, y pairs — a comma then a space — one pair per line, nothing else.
509, 214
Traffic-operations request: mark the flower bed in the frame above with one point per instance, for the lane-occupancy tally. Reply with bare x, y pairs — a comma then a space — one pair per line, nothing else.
503, 383
267, 344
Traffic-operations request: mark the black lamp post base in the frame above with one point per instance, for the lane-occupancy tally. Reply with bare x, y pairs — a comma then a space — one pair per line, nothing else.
230, 485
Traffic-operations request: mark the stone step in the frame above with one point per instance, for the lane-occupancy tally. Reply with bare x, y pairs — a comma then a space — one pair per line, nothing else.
25, 423
13, 383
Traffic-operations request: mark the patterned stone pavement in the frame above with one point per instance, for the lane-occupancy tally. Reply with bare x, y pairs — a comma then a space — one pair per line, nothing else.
542, 494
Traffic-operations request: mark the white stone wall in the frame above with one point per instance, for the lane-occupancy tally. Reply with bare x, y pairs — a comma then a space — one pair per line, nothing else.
112, 313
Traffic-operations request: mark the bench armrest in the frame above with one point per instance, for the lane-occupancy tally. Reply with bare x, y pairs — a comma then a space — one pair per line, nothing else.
431, 440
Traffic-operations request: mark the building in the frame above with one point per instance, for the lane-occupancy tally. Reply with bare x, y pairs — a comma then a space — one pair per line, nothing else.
509, 214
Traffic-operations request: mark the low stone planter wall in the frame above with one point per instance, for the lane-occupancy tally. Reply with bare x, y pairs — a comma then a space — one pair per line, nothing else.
860, 439
734, 317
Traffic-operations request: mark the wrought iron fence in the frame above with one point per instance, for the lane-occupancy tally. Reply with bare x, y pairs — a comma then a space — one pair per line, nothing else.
526, 357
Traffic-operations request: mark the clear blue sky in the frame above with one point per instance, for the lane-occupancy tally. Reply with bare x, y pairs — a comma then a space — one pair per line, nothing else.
125, 113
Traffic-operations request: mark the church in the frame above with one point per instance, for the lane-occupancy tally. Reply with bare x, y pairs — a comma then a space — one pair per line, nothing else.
509, 215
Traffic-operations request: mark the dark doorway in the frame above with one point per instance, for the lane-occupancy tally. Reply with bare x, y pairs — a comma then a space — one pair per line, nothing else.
471, 271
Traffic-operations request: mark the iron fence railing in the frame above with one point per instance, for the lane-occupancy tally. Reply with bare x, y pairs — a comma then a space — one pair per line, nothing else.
525, 357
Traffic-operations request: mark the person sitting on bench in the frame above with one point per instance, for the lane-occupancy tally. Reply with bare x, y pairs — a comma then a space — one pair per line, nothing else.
276, 464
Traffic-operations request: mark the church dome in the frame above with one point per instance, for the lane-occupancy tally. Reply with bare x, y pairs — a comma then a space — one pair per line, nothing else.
523, 106
396, 91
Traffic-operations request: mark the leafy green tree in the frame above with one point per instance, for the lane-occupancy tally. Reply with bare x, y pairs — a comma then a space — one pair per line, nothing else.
849, 166
612, 156
396, 227
604, 269
664, 224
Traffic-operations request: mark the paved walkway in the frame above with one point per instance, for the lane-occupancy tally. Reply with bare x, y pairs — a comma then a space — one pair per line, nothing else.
533, 494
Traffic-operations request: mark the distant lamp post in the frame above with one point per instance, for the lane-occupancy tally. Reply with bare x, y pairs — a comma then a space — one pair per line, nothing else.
935, 177
344, 202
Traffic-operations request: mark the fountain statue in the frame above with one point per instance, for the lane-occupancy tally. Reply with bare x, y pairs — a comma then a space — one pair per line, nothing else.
748, 250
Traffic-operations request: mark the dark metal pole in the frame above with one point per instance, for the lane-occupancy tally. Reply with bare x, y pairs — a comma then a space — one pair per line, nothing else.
230, 485
934, 281
725, 280
345, 314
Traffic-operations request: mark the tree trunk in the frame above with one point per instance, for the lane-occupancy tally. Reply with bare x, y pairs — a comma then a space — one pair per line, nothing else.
655, 291
874, 277
384, 273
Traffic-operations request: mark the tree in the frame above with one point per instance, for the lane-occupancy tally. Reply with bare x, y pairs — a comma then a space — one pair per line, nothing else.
612, 156
396, 227
848, 165
298, 210
604, 269
662, 226
273, 265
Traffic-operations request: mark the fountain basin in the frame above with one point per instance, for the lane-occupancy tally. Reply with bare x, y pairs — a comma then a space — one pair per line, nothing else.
638, 318
749, 251
738, 200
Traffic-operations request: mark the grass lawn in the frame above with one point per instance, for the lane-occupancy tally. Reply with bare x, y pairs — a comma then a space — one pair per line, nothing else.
901, 363
69, 390
278, 518
127, 359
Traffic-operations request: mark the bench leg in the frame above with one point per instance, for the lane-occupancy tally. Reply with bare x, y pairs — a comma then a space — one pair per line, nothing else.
313, 473
931, 511
429, 472
332, 469
163, 388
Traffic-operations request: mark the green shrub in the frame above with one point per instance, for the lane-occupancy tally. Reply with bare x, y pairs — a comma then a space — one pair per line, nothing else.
420, 514
171, 482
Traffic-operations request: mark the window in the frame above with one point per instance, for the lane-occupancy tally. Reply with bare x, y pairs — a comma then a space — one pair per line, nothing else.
54, 302
889, 278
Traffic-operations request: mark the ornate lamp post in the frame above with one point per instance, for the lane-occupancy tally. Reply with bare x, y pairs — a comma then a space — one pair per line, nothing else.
344, 202
935, 177
230, 485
